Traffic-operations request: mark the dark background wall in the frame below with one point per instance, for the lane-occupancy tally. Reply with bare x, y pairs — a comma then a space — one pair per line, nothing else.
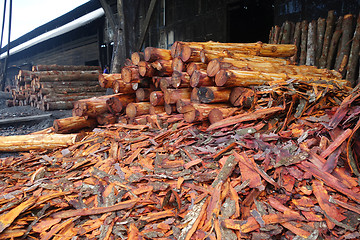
298, 10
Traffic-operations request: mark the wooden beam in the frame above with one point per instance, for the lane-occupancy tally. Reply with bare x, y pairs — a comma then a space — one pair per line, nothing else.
146, 24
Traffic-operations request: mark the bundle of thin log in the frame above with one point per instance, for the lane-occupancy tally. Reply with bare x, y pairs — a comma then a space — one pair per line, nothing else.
54, 87
331, 43
209, 81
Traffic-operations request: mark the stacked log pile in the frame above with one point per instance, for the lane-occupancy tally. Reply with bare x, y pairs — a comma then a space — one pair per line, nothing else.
55, 87
282, 163
331, 43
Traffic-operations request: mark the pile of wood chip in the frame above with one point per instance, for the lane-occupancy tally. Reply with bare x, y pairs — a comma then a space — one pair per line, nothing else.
284, 167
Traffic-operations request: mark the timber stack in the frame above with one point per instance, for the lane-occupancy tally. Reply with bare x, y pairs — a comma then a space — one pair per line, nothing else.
205, 81
278, 160
331, 43
55, 87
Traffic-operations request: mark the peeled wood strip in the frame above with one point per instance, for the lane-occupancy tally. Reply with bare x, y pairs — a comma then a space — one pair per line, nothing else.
36, 142
73, 124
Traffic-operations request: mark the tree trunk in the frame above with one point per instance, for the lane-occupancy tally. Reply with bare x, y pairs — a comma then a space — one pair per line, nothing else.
320, 40
311, 44
330, 20
304, 34
73, 124
333, 44
353, 65
344, 47
20, 143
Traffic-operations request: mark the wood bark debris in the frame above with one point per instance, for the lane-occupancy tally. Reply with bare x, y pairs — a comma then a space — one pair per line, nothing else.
265, 157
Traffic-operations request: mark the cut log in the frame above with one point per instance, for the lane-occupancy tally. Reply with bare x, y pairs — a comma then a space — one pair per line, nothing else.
66, 90
59, 105
181, 103
71, 77
118, 102
195, 66
200, 78
106, 119
157, 109
190, 54
180, 79
218, 114
334, 43
344, 47
170, 108
257, 49
136, 109
64, 68
121, 87
330, 21
64, 84
243, 97
266, 67
237, 78
165, 83
143, 94
320, 39
311, 44
73, 124
24, 119
163, 66
194, 95
21, 143
130, 73
213, 94
199, 112
172, 95
68, 97
91, 107
140, 83
136, 57
157, 98
145, 69
304, 34
152, 54
353, 65
178, 65
107, 80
